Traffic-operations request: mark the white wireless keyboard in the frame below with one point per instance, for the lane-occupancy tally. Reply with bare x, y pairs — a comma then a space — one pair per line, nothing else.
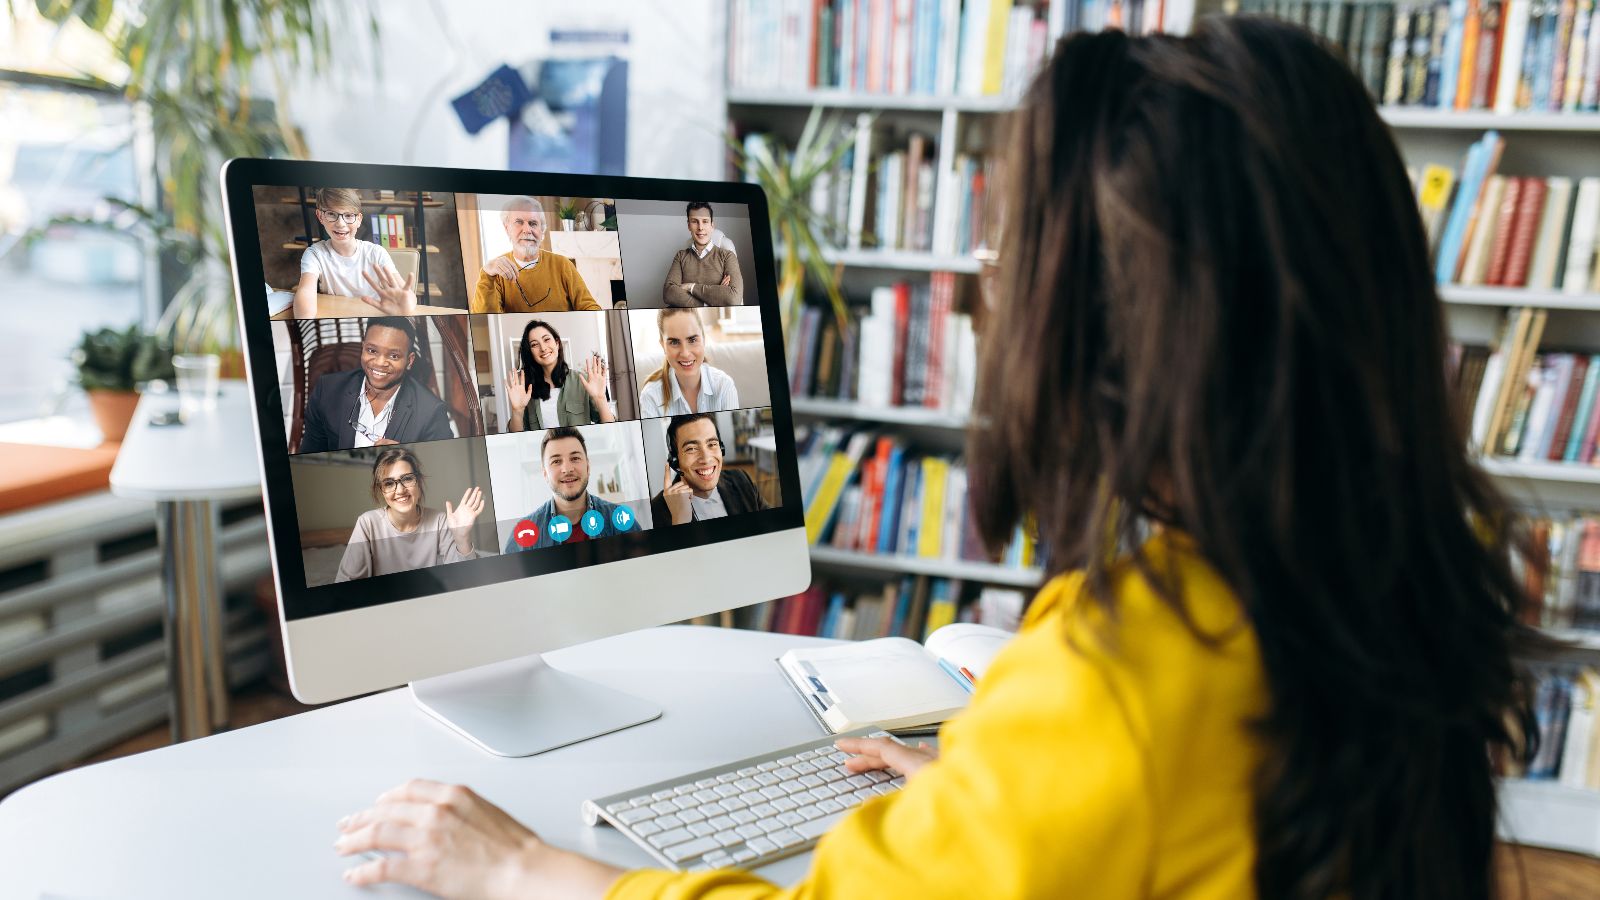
746, 813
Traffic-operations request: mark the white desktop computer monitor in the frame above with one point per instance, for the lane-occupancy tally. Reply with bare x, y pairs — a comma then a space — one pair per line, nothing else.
473, 395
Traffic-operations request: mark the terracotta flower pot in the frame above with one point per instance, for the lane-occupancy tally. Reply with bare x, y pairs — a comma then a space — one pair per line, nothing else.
113, 411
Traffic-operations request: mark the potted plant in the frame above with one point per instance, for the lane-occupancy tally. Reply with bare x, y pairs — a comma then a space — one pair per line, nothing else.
112, 366
788, 177
568, 213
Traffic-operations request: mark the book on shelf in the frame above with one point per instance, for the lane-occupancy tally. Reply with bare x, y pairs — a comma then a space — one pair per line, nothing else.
1507, 56
892, 682
908, 606
912, 47
871, 492
1561, 578
1566, 700
1515, 231
909, 348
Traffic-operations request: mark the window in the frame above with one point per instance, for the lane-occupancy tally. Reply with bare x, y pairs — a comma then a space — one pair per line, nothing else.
64, 150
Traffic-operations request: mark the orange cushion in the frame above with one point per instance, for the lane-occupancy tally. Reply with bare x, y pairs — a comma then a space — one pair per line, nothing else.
31, 474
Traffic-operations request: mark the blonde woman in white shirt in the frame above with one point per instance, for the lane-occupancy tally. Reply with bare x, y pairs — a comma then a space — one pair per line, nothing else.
685, 383
348, 266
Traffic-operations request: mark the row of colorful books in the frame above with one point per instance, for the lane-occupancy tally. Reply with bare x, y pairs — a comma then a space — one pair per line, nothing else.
1501, 55
912, 607
1524, 404
889, 193
930, 47
1566, 701
909, 348
1563, 576
1510, 230
874, 492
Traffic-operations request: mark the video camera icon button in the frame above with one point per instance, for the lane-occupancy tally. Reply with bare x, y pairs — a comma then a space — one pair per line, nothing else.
622, 517
593, 523
559, 528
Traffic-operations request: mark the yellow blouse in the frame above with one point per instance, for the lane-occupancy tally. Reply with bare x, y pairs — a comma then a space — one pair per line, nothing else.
1099, 758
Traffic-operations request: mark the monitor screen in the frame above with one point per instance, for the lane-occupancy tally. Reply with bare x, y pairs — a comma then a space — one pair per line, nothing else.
466, 378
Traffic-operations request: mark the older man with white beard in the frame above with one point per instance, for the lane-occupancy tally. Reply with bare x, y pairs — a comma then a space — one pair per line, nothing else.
529, 278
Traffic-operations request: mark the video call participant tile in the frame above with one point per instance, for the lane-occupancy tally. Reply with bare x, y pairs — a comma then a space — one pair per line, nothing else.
380, 380
343, 251
568, 484
549, 369
688, 253
522, 254
376, 510
698, 360
697, 472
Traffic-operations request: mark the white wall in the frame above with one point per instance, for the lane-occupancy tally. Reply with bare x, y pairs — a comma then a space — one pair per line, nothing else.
397, 109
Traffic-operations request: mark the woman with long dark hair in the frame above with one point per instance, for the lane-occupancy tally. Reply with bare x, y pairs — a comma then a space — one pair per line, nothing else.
544, 392
1274, 652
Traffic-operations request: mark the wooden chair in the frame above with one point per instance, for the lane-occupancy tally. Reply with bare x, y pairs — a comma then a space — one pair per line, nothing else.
321, 346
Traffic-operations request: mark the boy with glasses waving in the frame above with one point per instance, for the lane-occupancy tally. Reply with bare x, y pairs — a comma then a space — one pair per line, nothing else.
345, 266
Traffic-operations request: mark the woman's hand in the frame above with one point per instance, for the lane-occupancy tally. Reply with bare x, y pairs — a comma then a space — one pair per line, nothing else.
395, 297
460, 518
593, 376
519, 393
677, 494
881, 753
453, 843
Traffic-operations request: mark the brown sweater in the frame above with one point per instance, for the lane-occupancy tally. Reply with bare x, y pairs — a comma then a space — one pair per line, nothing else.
706, 276
553, 285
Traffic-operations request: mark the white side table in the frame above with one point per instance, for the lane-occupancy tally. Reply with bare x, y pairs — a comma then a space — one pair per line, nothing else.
186, 469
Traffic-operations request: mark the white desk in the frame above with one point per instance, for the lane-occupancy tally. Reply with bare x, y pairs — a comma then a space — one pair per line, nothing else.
186, 469
251, 813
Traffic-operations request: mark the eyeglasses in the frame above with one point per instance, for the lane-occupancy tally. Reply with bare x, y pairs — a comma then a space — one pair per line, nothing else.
389, 485
347, 218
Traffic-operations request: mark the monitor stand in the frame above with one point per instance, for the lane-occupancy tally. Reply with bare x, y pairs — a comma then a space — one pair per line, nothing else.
522, 706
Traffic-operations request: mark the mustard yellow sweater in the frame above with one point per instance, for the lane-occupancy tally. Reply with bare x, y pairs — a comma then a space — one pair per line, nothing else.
1098, 759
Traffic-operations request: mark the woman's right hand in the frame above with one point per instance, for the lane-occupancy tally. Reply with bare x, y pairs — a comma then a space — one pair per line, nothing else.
519, 393
868, 754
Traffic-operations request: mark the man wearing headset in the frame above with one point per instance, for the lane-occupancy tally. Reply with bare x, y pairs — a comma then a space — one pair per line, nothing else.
372, 403
695, 486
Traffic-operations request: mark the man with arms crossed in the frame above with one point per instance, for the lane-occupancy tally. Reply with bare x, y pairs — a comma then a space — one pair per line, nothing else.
695, 486
565, 459
527, 279
703, 274
373, 403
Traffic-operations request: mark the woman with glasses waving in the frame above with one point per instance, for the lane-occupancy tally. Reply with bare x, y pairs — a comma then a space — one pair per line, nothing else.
402, 533
346, 266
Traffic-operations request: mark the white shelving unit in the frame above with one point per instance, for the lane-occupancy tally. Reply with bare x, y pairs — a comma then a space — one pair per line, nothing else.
988, 573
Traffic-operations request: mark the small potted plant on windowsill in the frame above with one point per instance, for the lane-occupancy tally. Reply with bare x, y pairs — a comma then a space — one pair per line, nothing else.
112, 366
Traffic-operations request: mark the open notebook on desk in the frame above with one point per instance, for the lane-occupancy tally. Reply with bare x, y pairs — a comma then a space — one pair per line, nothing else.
893, 683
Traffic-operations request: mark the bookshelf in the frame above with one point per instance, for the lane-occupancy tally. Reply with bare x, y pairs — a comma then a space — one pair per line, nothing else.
987, 573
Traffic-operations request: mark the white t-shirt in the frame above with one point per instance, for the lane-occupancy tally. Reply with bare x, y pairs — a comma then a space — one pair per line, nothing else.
717, 392
342, 275
549, 415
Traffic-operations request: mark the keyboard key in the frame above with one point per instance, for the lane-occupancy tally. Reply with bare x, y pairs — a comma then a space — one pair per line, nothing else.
682, 789
768, 766
848, 800
742, 816
761, 845
692, 815
726, 777
717, 857
806, 754
751, 798
699, 829
733, 803
785, 773
898, 781
763, 810
812, 812
668, 838
663, 808
877, 776
707, 796
618, 807
810, 780
784, 804
750, 784
774, 791
747, 771
839, 756
830, 775
818, 827
794, 787
861, 794
721, 823
684, 801
728, 838
791, 818
821, 793
785, 838
788, 760
830, 806
645, 829
670, 820
740, 857
690, 850
637, 814
641, 801
728, 790
840, 788
770, 825
767, 778
884, 788
804, 768
705, 782
751, 830
858, 781
662, 794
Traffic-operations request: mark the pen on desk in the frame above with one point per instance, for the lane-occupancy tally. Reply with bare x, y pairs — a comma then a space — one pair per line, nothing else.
970, 677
